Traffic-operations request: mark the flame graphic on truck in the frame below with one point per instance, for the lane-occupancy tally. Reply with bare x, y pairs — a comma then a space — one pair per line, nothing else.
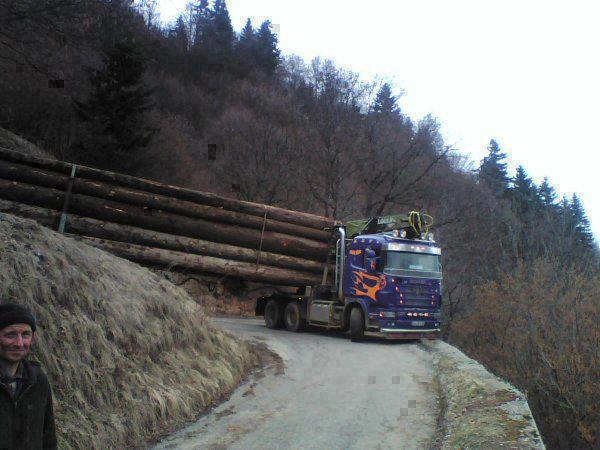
367, 285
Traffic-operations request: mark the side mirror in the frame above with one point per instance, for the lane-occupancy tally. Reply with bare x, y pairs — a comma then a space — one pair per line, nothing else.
371, 260
376, 267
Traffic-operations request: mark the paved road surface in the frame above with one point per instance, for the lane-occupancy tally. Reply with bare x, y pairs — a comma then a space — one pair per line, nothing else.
332, 394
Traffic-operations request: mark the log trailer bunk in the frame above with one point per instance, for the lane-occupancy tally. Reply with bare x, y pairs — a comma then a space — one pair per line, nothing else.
387, 282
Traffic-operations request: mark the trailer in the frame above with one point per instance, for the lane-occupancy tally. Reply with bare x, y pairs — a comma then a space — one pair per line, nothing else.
383, 278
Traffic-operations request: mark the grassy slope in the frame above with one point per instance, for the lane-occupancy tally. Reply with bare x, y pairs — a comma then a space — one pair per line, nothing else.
129, 354
11, 141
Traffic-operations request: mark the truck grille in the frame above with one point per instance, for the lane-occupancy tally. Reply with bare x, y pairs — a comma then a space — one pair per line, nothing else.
421, 293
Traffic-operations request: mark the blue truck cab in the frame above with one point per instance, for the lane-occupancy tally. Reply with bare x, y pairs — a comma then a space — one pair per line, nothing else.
383, 278
397, 284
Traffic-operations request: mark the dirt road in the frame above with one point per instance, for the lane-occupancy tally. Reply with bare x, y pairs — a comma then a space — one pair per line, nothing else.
329, 393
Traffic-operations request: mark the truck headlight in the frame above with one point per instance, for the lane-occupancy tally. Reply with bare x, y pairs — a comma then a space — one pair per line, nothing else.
387, 314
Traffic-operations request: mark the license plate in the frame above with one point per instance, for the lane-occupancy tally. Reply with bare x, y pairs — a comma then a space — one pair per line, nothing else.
417, 323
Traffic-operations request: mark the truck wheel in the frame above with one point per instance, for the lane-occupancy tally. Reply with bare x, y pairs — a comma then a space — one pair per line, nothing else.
273, 314
292, 318
357, 325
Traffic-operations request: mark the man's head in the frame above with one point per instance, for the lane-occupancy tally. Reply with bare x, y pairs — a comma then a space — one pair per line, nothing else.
17, 326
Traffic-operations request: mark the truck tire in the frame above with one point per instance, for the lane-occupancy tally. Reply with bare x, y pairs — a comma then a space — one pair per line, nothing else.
357, 325
292, 317
273, 314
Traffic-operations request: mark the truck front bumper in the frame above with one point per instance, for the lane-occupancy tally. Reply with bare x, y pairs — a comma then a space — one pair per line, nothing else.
399, 333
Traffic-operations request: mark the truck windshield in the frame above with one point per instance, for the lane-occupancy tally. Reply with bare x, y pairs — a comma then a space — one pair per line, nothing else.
415, 264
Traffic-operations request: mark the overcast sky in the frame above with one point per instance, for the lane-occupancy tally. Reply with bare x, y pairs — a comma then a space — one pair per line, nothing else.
526, 73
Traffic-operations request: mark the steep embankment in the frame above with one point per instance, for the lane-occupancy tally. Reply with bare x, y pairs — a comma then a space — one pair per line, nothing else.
129, 354
11, 141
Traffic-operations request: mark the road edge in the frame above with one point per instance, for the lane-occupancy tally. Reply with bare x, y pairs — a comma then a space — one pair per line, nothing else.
476, 408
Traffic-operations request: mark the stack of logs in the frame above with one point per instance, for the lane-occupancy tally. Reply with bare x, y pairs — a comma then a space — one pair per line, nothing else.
166, 226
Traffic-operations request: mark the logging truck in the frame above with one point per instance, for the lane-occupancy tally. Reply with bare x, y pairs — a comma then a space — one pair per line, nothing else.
381, 275
386, 282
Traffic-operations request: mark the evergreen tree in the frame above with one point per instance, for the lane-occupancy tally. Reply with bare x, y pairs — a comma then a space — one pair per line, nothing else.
547, 193
583, 232
567, 223
492, 170
214, 38
220, 36
247, 35
199, 20
246, 50
522, 189
114, 113
385, 102
267, 51
179, 35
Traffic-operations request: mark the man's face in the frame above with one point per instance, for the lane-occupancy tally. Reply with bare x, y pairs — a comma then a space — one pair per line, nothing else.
15, 341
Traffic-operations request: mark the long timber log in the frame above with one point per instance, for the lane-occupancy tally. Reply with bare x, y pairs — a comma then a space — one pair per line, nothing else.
85, 226
178, 261
40, 177
157, 220
204, 198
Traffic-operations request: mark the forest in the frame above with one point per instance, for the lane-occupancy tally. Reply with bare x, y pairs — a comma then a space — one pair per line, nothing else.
198, 104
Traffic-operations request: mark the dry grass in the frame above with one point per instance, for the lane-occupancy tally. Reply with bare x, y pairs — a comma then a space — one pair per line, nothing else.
129, 355
11, 141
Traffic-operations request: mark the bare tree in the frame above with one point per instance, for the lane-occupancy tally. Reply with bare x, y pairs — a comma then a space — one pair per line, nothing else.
255, 157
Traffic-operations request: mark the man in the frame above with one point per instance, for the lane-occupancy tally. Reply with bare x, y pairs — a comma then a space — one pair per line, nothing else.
26, 414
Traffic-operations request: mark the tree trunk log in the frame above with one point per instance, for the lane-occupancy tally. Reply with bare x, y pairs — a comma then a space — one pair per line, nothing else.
111, 211
124, 233
39, 177
166, 259
203, 198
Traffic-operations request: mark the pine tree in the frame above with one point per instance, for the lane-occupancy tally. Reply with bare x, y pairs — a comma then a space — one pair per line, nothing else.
583, 232
246, 50
567, 223
522, 185
267, 51
214, 37
247, 35
523, 193
547, 193
492, 170
199, 22
115, 111
385, 102
221, 31
179, 35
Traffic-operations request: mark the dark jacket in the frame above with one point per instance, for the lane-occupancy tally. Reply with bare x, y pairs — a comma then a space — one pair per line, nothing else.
27, 422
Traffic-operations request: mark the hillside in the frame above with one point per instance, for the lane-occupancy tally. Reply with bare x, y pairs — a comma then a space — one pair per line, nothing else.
113, 338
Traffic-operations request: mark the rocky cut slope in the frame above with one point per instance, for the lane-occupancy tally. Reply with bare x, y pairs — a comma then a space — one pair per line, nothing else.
130, 356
